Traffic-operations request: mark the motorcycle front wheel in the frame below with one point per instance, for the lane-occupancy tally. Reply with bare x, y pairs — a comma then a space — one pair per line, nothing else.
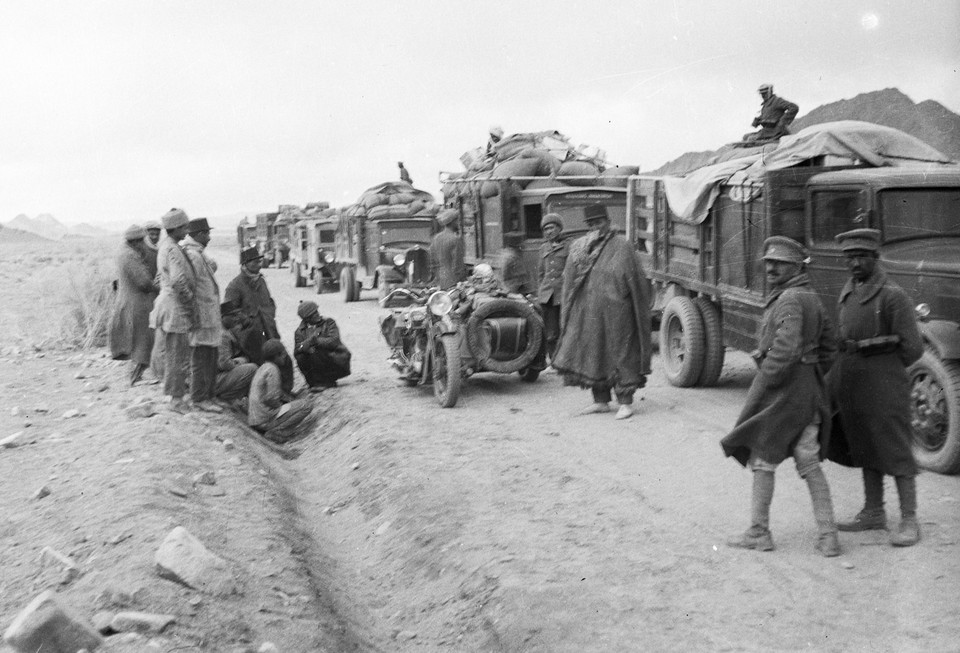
446, 370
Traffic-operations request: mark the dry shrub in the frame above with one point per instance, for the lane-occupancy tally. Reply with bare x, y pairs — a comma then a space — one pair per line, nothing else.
89, 300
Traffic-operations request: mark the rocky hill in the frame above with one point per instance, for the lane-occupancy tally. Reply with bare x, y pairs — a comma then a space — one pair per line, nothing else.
47, 226
929, 121
10, 235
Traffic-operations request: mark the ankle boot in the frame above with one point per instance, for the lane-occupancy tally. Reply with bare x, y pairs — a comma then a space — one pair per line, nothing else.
758, 536
872, 517
908, 532
827, 543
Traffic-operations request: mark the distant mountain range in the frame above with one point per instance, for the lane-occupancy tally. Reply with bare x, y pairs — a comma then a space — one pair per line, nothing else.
929, 121
48, 227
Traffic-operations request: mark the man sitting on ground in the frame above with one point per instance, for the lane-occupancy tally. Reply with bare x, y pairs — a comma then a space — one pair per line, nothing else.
234, 370
272, 410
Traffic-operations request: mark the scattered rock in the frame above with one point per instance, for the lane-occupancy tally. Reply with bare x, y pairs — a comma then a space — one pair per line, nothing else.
11, 441
177, 488
355, 466
141, 410
117, 539
235, 460
268, 647
101, 622
205, 478
215, 491
79, 375
42, 408
382, 528
73, 412
50, 556
15, 411
846, 564
46, 625
406, 635
142, 622
103, 388
183, 558
228, 445
42, 491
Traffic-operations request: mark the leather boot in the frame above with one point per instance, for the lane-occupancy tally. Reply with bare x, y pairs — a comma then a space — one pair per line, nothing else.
872, 517
758, 536
827, 543
908, 533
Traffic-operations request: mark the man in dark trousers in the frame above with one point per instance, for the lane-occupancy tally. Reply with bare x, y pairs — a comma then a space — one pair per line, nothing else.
258, 312
205, 334
775, 117
879, 339
446, 252
787, 410
320, 355
605, 317
553, 258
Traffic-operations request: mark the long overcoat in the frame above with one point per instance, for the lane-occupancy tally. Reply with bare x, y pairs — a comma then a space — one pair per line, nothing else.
446, 259
173, 311
872, 393
259, 313
796, 346
130, 334
605, 315
206, 331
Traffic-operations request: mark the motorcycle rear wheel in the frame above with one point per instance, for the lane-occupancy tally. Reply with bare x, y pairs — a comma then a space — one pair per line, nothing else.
446, 370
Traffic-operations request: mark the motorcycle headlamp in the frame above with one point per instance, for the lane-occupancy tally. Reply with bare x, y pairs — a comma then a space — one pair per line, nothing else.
440, 303
399, 259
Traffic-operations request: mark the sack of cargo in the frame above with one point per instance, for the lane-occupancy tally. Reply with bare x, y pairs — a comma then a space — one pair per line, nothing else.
547, 164
517, 168
469, 157
618, 171
401, 198
579, 169
513, 145
370, 200
545, 182
355, 210
377, 212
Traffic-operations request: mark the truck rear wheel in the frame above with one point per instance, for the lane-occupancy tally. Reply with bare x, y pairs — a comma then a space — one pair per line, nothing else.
935, 413
682, 342
713, 342
348, 284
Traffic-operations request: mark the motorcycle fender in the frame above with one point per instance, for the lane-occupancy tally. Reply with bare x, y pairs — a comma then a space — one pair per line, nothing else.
943, 336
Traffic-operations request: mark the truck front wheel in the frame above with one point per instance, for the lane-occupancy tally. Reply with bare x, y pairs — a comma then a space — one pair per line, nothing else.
935, 413
682, 342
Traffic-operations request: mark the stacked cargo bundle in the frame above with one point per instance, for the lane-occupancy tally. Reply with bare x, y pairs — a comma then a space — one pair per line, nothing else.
547, 156
393, 199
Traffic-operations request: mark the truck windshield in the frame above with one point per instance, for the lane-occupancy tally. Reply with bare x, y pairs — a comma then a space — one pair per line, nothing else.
405, 231
327, 235
572, 213
920, 212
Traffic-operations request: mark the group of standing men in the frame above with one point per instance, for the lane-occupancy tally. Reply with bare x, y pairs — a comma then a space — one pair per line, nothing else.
169, 316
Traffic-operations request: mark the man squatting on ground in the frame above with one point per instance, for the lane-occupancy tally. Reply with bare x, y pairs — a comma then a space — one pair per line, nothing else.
173, 313
787, 409
320, 354
879, 339
205, 334
234, 370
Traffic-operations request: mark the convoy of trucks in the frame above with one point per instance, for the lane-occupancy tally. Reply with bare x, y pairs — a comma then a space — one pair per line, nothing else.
700, 239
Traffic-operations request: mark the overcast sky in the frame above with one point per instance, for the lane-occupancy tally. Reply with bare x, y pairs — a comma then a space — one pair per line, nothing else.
113, 111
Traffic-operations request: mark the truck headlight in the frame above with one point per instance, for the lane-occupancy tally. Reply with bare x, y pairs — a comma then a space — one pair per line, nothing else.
440, 303
399, 259
923, 311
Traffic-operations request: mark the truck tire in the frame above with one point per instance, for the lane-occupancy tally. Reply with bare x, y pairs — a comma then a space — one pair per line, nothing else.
348, 284
298, 280
935, 413
682, 342
504, 308
446, 370
713, 341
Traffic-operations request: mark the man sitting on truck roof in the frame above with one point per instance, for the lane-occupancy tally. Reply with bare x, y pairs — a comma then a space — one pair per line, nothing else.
775, 116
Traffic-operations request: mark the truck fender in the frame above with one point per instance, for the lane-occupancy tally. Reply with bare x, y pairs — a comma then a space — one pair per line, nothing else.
943, 336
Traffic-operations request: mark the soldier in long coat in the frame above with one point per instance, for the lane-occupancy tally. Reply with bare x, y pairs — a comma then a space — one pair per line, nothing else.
879, 339
129, 332
446, 252
787, 410
605, 317
553, 258
258, 312
174, 312
205, 334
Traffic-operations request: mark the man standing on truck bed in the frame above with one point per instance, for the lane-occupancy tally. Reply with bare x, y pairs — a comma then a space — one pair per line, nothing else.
787, 410
553, 258
775, 116
879, 339
605, 317
446, 252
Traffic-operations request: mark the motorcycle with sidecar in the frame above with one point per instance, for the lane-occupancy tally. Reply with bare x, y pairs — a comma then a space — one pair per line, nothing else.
444, 336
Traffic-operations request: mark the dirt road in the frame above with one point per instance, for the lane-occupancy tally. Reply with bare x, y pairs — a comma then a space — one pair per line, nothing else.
509, 523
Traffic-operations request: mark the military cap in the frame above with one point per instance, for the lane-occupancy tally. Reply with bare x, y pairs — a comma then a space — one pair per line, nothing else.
306, 309
551, 218
765, 87
781, 248
250, 254
134, 232
595, 212
174, 218
197, 224
446, 216
867, 240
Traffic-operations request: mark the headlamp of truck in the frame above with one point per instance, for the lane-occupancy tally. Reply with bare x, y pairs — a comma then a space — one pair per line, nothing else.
440, 303
923, 311
399, 259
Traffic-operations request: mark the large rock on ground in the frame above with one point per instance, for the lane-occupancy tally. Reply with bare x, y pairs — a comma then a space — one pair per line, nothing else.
183, 558
46, 625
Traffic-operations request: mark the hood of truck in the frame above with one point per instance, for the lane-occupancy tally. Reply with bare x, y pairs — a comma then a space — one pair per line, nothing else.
924, 255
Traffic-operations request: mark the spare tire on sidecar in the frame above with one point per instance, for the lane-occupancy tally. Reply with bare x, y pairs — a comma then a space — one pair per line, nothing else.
504, 334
